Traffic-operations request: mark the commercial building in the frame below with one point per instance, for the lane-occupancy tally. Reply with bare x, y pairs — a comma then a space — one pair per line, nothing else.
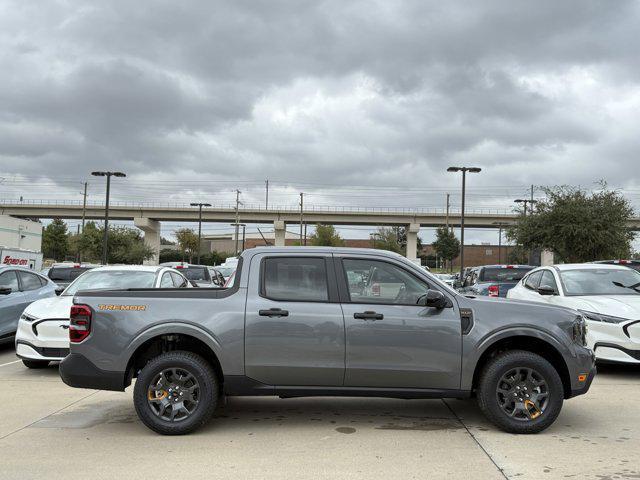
20, 234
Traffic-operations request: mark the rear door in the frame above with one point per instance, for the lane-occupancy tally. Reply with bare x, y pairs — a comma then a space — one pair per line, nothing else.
294, 328
390, 340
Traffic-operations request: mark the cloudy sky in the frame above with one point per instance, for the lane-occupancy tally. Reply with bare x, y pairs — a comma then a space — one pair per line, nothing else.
354, 103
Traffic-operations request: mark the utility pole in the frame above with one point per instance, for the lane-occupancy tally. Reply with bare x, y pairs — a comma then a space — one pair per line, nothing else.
237, 224
266, 195
447, 217
464, 171
200, 205
105, 239
84, 205
301, 219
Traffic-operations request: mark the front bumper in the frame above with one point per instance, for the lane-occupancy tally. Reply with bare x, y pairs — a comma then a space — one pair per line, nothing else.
582, 373
619, 343
78, 371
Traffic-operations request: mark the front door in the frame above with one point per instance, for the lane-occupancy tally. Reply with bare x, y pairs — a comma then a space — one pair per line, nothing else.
391, 342
294, 328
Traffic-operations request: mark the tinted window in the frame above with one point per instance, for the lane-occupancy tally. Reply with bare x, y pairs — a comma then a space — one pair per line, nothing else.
197, 274
66, 274
619, 281
29, 281
533, 280
167, 281
503, 274
548, 280
372, 281
9, 280
295, 278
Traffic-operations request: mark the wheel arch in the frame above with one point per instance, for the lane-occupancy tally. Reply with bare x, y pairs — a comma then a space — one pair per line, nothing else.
171, 337
523, 341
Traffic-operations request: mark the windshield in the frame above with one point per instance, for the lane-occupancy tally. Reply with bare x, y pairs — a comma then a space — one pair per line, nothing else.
600, 282
503, 274
196, 274
111, 280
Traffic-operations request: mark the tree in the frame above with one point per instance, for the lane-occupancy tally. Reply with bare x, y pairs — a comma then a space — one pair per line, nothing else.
387, 238
126, 244
576, 225
54, 240
166, 241
326, 236
446, 244
187, 242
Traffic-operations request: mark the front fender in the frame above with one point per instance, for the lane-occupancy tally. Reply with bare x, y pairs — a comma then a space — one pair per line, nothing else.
474, 351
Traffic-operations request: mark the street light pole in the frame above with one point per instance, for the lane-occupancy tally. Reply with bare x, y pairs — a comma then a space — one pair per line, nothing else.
500, 225
464, 171
200, 205
105, 238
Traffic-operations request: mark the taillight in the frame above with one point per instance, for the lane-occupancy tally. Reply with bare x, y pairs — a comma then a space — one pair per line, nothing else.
494, 291
79, 323
375, 289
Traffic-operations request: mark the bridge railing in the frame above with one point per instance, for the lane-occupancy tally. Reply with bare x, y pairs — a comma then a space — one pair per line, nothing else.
420, 210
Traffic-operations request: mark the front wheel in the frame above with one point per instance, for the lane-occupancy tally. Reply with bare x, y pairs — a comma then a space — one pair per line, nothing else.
176, 393
520, 392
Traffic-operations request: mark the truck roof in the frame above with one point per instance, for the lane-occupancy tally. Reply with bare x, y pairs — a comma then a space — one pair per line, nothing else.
347, 250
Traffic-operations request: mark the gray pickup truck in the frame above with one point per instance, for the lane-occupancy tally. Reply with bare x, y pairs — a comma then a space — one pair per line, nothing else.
311, 321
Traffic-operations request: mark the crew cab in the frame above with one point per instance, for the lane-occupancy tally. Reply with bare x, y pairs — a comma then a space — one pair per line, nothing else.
305, 321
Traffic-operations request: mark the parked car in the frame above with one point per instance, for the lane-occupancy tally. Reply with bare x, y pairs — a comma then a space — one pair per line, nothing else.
290, 325
608, 296
65, 273
18, 288
635, 264
447, 278
199, 275
493, 280
42, 334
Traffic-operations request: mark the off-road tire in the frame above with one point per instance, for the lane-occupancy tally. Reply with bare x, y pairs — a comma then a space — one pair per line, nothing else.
208, 398
488, 397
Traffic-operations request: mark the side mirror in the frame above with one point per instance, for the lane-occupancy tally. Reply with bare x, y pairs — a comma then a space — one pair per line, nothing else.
546, 290
5, 290
433, 299
59, 290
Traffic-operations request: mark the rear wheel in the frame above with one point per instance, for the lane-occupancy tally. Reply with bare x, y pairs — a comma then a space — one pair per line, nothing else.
520, 392
176, 393
35, 363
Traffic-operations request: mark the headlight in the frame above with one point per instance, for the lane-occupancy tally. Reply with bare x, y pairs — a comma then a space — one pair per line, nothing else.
599, 317
580, 331
27, 318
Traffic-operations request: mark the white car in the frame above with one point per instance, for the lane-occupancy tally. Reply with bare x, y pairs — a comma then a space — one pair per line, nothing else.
608, 296
43, 328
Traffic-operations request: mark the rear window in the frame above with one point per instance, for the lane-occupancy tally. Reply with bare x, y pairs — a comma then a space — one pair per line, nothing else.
295, 278
196, 274
66, 274
503, 274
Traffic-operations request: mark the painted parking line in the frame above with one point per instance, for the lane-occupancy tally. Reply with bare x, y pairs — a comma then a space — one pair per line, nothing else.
9, 363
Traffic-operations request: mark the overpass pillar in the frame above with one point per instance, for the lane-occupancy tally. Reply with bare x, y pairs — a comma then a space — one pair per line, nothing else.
151, 229
280, 232
412, 241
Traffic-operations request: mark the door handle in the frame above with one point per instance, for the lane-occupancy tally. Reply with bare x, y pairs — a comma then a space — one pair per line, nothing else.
368, 315
274, 312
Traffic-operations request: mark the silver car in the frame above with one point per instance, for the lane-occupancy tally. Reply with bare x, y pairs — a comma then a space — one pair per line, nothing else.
18, 288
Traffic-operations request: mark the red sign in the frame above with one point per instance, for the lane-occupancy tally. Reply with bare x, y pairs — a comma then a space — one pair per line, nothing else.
8, 260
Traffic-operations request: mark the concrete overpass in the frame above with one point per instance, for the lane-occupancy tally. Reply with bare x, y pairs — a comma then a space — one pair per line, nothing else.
148, 217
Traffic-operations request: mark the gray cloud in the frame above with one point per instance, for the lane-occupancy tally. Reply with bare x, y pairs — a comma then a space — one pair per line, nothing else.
329, 93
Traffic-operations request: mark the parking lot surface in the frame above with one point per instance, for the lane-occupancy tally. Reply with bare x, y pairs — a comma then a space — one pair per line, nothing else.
48, 429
